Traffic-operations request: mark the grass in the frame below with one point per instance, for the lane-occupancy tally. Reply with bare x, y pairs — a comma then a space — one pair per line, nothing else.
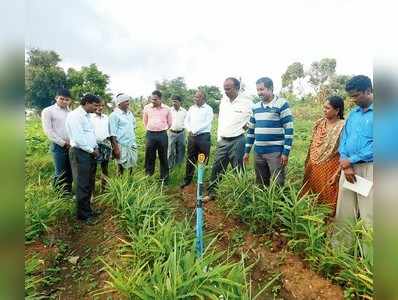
302, 222
161, 262
33, 280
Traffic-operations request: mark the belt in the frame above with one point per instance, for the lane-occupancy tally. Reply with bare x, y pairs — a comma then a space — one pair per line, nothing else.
176, 131
199, 134
232, 138
363, 162
162, 131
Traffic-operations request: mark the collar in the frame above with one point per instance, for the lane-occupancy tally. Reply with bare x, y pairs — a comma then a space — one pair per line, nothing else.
202, 106
271, 103
59, 107
121, 111
82, 111
160, 107
98, 116
359, 109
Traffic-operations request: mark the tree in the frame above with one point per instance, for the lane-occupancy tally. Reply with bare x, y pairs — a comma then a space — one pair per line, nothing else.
43, 58
172, 87
43, 77
294, 71
335, 85
88, 80
321, 71
177, 86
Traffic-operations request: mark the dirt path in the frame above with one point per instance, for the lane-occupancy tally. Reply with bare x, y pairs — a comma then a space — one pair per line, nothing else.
297, 281
71, 256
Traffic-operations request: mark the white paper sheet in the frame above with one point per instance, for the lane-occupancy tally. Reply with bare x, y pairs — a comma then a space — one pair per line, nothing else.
362, 186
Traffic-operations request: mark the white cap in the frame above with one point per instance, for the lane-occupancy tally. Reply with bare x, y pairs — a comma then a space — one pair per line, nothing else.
121, 98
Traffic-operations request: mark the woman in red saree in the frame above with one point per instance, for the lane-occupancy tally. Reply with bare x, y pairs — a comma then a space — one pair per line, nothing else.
322, 164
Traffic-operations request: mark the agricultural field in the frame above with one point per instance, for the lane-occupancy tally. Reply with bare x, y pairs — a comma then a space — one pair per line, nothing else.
259, 243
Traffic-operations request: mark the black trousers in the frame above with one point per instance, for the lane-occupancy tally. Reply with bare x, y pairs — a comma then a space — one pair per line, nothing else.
157, 142
84, 167
196, 144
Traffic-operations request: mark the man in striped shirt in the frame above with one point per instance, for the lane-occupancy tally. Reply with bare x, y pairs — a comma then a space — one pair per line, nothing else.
271, 133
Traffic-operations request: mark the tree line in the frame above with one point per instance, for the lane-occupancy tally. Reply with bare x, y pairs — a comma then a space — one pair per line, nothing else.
44, 76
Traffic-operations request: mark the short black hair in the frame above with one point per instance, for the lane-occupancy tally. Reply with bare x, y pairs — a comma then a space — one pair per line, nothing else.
359, 83
157, 93
176, 97
63, 92
337, 103
267, 82
235, 81
89, 98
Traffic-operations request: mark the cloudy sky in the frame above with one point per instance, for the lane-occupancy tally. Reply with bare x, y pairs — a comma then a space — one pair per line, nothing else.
140, 42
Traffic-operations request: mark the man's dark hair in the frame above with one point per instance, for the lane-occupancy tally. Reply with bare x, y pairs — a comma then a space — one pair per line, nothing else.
63, 93
267, 82
235, 81
359, 83
89, 98
157, 93
337, 103
176, 97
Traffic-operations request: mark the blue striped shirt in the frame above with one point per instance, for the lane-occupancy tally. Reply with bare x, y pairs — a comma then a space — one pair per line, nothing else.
270, 127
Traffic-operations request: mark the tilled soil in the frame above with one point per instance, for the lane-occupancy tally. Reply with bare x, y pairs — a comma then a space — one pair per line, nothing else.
269, 255
72, 250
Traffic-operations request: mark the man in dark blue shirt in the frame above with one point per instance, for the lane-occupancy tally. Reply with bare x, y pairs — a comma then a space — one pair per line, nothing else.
356, 153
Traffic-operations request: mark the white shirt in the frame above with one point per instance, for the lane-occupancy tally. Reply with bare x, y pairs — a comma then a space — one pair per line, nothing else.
233, 116
199, 119
80, 130
53, 121
178, 118
101, 126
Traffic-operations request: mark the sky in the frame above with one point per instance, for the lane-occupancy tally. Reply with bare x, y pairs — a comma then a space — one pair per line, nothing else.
140, 42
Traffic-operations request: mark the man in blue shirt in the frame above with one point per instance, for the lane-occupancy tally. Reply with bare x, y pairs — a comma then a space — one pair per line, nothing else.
356, 153
83, 154
122, 131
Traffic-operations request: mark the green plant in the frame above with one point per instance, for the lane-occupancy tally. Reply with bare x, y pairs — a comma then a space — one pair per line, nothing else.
33, 279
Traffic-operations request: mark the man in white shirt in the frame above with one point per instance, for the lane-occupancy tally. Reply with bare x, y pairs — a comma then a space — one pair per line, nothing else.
83, 154
53, 122
198, 124
101, 128
176, 133
233, 119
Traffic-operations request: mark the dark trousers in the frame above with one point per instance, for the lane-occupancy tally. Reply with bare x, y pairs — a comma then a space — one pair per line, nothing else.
268, 166
176, 148
156, 142
196, 144
104, 173
63, 172
84, 167
229, 151
121, 170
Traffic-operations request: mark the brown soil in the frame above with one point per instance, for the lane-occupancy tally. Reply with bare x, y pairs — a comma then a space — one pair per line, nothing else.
71, 238
269, 255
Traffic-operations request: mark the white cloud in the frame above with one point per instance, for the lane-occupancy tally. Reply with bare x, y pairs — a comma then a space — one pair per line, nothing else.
139, 42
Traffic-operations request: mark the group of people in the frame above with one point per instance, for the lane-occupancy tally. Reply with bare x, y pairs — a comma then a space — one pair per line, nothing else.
339, 149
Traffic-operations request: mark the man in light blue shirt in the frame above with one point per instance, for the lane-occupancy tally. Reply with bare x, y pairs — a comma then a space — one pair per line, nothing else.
356, 153
83, 152
122, 131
